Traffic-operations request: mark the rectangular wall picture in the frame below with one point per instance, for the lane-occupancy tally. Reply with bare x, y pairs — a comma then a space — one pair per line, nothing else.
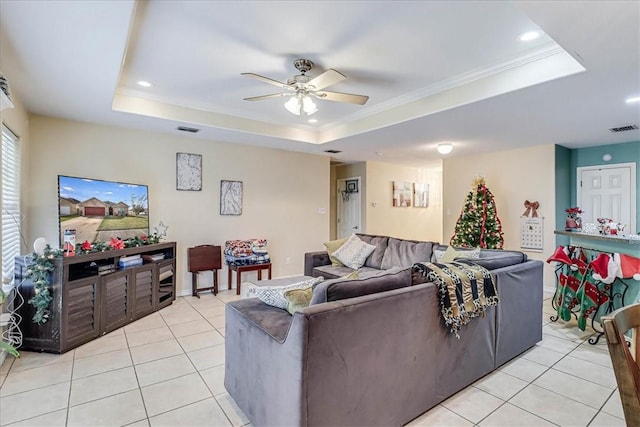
188, 172
421, 196
402, 193
230, 197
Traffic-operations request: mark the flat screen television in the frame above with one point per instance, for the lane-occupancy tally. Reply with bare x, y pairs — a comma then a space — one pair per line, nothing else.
98, 210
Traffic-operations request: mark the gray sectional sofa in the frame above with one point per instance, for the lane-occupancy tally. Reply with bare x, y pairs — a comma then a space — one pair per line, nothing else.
374, 350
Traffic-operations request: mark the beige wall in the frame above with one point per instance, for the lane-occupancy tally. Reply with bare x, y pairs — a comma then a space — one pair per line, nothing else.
513, 176
283, 191
407, 223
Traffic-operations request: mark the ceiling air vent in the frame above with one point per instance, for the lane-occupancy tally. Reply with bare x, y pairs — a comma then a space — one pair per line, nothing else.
624, 128
188, 129
332, 151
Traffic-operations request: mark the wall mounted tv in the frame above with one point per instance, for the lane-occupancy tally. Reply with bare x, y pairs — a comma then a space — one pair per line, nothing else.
99, 210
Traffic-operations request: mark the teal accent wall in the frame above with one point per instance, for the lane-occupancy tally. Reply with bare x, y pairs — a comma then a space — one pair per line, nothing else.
628, 152
563, 190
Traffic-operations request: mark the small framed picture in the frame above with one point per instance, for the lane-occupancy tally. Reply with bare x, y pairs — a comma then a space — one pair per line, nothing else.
421, 196
230, 197
402, 194
188, 172
352, 185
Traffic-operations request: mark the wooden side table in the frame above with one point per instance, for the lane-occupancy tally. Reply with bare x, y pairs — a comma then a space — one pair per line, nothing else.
239, 269
204, 258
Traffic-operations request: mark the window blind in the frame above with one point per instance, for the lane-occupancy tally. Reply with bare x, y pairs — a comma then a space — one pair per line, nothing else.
10, 203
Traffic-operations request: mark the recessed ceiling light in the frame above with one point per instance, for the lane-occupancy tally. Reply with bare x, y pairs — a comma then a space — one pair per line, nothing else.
633, 99
529, 35
444, 148
144, 84
379, 153
313, 120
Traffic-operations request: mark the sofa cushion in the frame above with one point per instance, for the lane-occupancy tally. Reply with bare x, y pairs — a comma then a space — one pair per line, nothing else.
380, 242
404, 253
332, 246
274, 295
488, 258
330, 272
354, 252
338, 289
494, 261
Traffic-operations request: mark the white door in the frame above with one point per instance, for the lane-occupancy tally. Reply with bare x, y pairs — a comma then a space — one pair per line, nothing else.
348, 210
608, 191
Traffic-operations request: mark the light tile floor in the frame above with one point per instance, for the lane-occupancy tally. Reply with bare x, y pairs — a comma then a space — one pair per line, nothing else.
167, 369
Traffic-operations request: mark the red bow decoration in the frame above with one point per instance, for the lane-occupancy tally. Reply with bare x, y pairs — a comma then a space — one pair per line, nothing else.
532, 207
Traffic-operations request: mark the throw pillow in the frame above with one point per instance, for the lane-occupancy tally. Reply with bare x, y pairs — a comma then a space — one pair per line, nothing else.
451, 254
298, 299
333, 246
274, 295
354, 252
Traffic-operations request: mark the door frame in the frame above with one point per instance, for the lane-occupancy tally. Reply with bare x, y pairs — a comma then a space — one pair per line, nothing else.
632, 187
339, 202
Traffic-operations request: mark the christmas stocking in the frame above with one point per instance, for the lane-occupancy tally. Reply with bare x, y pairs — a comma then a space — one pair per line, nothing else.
562, 283
569, 299
589, 296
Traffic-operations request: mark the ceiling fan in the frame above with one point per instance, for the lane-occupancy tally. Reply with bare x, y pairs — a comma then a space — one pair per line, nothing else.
302, 88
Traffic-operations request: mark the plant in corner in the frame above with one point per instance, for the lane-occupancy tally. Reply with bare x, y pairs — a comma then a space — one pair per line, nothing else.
40, 271
5, 345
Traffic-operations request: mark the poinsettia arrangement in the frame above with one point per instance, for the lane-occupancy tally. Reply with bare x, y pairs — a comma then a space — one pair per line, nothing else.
573, 211
116, 243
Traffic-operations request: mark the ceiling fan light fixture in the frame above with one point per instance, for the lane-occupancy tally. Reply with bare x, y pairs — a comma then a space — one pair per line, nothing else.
301, 104
293, 105
308, 106
444, 148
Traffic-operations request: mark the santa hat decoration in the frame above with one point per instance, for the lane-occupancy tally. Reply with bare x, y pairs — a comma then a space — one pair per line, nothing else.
604, 268
560, 255
628, 266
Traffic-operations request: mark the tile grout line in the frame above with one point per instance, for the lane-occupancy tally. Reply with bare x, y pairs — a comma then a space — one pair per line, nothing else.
196, 371
554, 392
203, 380
135, 372
73, 364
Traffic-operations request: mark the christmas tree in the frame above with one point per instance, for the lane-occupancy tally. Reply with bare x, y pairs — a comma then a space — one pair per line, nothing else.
478, 224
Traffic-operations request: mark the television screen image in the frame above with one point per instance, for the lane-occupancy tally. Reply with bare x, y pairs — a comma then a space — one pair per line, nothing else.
99, 210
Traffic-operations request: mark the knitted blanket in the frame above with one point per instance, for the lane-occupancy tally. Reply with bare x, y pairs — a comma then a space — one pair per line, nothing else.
465, 290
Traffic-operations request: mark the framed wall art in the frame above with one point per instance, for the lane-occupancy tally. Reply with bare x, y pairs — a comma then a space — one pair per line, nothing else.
188, 172
230, 197
402, 194
421, 196
352, 185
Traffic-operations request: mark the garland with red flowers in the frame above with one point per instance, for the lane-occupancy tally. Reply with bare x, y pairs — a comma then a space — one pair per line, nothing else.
41, 267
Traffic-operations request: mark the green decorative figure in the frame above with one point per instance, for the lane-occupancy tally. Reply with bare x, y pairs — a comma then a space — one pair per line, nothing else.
478, 225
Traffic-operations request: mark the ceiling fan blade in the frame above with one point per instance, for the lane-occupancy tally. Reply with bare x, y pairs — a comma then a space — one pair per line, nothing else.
326, 79
342, 97
273, 95
268, 80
